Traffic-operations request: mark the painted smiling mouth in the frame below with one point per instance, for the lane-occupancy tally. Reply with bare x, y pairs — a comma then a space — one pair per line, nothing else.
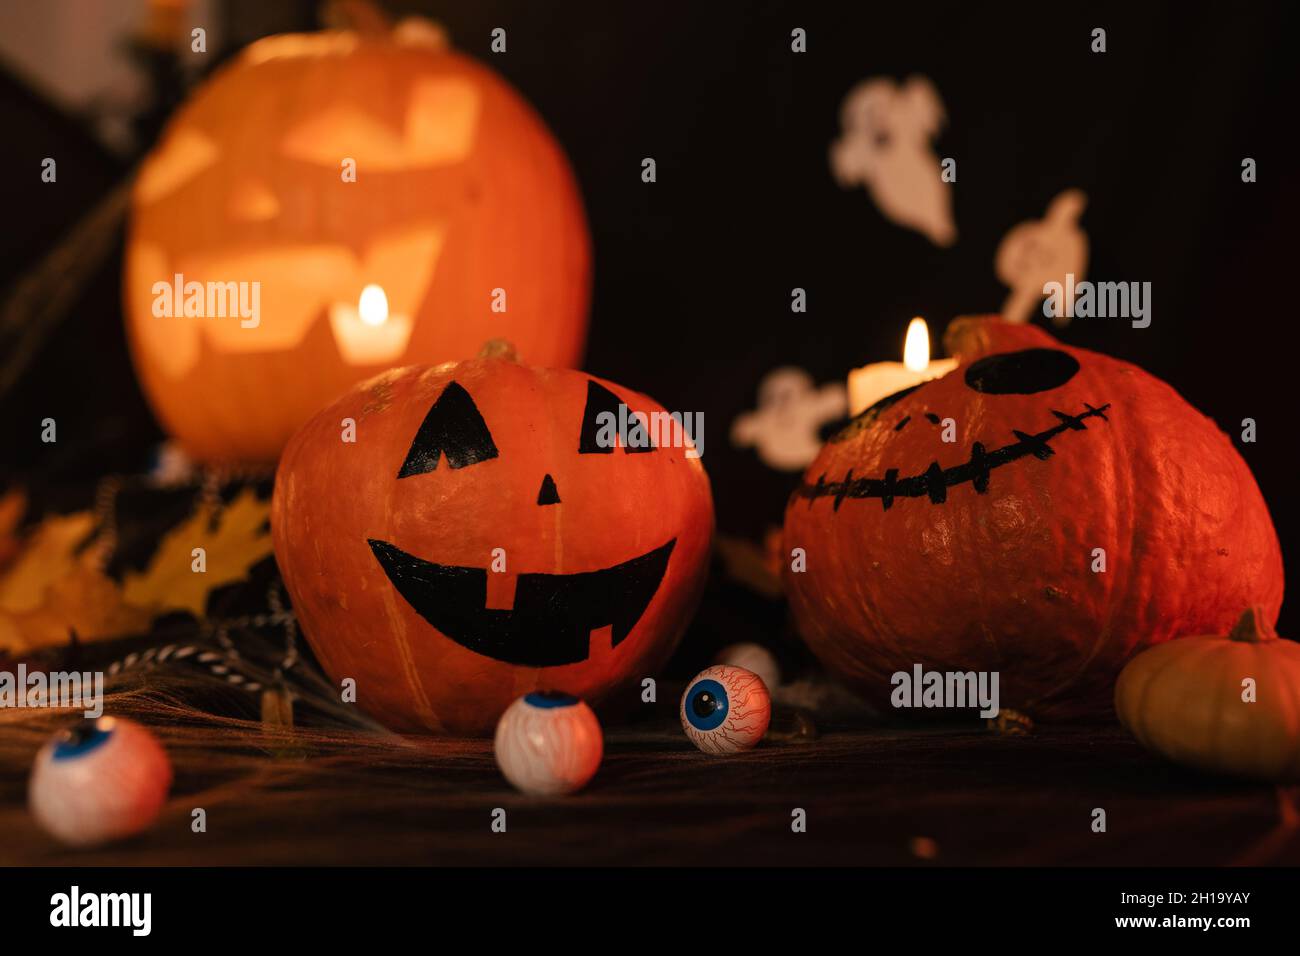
934, 482
554, 614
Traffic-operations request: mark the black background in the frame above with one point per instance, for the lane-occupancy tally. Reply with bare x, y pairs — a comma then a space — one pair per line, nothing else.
693, 273
335, 906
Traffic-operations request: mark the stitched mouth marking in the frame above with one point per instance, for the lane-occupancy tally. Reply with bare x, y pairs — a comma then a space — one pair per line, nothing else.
934, 482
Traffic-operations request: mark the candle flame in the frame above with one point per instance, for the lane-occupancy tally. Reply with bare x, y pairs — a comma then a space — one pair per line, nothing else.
916, 349
373, 307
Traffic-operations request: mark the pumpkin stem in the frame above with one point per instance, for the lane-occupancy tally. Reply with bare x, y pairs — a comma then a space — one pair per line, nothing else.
361, 16
966, 335
422, 32
1252, 627
499, 348
1010, 723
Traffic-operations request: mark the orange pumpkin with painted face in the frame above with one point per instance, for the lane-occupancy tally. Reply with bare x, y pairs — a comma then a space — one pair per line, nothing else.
310, 168
1085, 512
481, 539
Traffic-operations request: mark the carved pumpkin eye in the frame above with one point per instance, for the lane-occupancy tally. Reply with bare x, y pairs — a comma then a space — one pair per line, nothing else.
602, 403
1022, 373
181, 157
438, 129
453, 427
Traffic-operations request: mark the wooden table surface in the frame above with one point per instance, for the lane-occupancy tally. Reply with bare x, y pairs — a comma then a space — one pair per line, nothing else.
873, 796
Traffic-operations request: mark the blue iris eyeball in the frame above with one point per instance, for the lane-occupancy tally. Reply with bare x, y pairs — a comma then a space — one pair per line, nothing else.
726, 709
548, 743
99, 780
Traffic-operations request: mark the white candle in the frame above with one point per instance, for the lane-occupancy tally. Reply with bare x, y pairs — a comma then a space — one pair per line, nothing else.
871, 383
367, 334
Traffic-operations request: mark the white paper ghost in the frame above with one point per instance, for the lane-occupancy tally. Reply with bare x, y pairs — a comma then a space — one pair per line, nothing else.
885, 146
784, 428
1039, 251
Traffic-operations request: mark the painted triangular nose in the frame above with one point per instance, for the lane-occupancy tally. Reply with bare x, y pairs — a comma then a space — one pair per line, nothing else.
548, 494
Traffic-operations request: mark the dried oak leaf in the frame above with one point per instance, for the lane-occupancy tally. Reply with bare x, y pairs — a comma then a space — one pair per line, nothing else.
238, 540
50, 589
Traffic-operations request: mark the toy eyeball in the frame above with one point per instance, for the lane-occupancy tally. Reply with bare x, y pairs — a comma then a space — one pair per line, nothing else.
726, 709
754, 658
548, 743
98, 781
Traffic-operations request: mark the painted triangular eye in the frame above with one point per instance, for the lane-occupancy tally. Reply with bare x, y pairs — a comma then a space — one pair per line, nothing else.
599, 399
596, 424
453, 427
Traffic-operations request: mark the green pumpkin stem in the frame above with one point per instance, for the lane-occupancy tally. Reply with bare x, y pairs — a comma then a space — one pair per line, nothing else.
1252, 627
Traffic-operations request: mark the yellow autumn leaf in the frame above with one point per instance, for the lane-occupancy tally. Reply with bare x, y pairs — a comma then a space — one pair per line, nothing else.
48, 557
236, 543
85, 601
51, 590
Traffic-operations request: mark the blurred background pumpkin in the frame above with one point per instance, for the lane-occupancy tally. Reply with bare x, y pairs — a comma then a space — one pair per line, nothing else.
315, 166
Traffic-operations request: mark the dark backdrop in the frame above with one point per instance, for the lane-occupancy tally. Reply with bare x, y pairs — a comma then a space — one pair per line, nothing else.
693, 273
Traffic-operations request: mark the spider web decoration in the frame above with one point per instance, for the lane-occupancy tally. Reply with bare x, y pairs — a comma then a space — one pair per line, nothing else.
237, 629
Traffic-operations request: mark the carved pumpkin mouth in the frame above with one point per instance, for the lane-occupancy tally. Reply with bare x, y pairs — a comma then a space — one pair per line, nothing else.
553, 615
935, 481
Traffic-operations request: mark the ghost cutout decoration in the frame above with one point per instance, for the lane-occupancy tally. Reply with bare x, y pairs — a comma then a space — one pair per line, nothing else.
784, 427
332, 204
885, 146
1040, 251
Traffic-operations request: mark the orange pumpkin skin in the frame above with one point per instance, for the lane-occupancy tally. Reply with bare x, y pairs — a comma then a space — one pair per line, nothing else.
459, 190
1185, 700
332, 499
1002, 579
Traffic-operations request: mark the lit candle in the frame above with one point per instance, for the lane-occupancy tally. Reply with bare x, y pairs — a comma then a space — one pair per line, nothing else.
367, 334
871, 383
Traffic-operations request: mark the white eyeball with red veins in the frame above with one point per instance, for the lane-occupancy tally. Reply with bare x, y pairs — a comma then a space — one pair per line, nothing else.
726, 709
99, 781
548, 743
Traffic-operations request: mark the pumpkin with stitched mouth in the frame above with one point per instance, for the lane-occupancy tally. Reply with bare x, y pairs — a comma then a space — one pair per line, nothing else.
1085, 512
480, 540
315, 167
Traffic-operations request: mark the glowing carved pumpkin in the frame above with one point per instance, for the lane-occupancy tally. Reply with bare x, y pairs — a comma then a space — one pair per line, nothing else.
981, 555
459, 191
478, 542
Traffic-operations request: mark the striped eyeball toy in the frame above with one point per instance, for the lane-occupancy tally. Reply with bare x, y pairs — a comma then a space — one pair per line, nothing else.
98, 781
726, 709
548, 743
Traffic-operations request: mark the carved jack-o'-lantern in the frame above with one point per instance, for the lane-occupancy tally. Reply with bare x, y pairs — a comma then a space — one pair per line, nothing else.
479, 541
316, 166
1085, 512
